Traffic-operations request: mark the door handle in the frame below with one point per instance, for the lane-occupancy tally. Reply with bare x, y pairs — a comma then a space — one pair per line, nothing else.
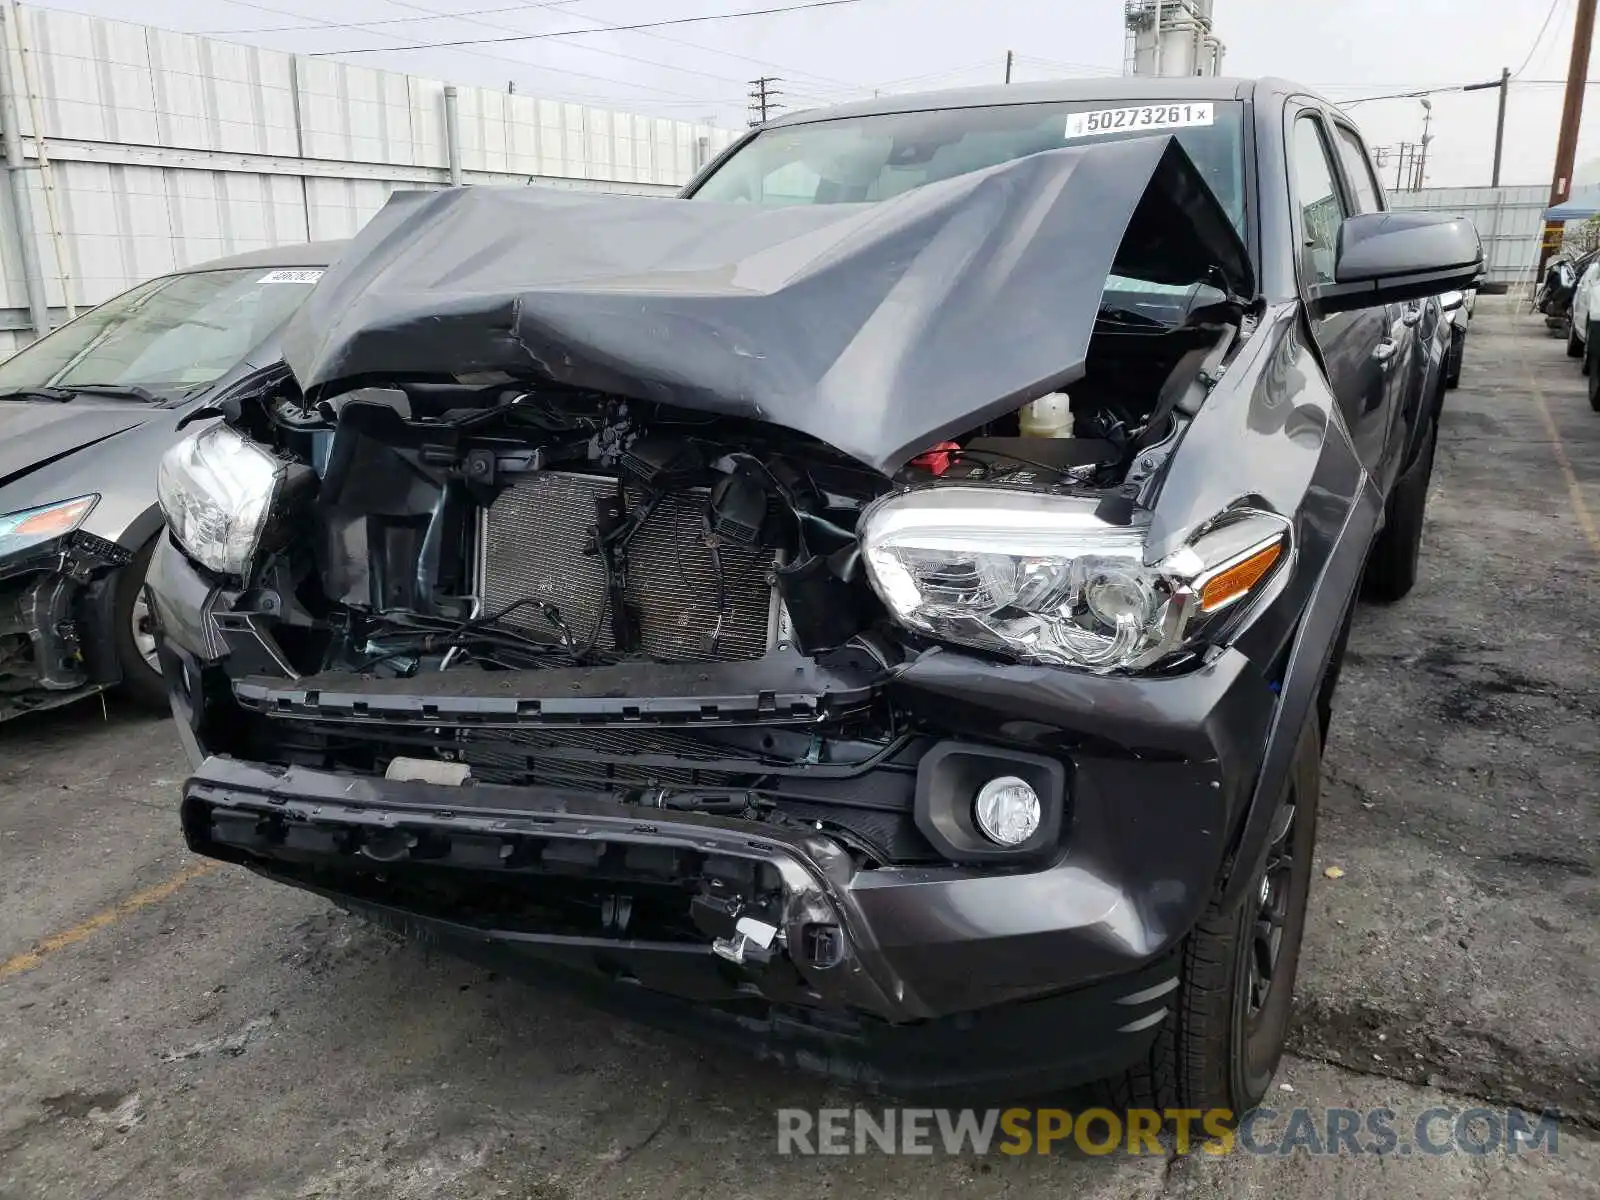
1384, 352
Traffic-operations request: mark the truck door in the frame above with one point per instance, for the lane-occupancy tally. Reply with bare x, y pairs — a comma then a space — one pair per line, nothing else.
1363, 350
1414, 325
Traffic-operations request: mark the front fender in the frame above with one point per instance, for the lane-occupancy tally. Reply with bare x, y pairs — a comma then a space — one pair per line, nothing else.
1271, 433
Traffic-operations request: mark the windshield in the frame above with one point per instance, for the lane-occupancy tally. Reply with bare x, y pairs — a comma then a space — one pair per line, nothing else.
876, 157
868, 158
172, 334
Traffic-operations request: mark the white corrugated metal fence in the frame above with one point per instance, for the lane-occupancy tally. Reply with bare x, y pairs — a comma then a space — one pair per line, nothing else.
1509, 220
166, 149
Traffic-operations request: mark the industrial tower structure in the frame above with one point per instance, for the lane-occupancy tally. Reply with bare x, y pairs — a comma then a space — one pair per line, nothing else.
1171, 37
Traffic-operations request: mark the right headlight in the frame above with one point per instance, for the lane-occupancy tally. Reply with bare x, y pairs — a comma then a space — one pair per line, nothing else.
1047, 579
217, 489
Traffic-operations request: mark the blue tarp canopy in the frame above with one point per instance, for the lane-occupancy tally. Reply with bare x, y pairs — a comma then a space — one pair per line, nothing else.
1580, 206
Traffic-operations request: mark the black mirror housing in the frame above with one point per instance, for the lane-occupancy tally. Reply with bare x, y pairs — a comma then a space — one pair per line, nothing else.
1384, 258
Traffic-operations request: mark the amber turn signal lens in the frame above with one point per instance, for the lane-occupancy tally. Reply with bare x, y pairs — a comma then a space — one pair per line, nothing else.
51, 522
1227, 586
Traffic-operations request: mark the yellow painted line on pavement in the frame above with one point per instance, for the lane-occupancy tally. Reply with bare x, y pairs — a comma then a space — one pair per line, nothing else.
1558, 448
155, 894
1574, 488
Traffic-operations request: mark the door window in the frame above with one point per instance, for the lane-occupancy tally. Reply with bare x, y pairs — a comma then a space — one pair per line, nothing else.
1316, 195
1358, 170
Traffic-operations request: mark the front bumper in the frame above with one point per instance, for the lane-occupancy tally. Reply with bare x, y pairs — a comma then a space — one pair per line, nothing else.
57, 622
895, 978
1063, 965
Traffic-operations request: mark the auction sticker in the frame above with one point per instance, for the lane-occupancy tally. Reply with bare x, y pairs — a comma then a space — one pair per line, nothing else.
292, 275
1139, 119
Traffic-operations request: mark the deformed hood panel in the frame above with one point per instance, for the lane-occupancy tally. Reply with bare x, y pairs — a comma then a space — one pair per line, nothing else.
878, 328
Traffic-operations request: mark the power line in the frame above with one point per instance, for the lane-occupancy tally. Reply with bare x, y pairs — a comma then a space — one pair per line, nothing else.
1421, 92
526, 6
559, 33
1068, 66
1534, 49
429, 14
985, 64
760, 62
686, 100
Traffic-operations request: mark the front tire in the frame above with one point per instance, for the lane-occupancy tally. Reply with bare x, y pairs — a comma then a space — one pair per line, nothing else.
1574, 342
1594, 389
1222, 1042
135, 637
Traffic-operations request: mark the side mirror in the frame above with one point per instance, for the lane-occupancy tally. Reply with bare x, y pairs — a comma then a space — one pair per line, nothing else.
1384, 258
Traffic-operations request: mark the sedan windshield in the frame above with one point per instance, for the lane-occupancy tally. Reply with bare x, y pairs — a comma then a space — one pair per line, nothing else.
169, 336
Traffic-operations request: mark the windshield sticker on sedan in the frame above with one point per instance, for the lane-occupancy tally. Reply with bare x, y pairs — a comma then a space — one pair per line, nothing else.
292, 275
1144, 117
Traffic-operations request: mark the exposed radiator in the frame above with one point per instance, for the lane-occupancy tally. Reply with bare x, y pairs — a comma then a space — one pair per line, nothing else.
532, 545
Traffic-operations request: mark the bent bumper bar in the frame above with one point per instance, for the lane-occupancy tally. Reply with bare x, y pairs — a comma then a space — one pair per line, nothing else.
901, 944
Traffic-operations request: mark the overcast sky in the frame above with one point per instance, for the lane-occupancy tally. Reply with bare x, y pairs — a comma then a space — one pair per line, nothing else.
1350, 48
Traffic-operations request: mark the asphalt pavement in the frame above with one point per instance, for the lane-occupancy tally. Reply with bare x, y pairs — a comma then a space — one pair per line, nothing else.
170, 1028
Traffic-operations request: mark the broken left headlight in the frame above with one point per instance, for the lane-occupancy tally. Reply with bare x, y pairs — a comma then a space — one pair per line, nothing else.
217, 490
1049, 579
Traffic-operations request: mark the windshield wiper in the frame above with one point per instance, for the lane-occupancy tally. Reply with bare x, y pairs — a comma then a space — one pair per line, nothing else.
61, 395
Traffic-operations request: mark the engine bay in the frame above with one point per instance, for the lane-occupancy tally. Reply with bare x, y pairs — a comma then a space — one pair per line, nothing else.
441, 525
544, 586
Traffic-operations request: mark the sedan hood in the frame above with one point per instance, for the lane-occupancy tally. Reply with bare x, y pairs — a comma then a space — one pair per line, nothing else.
877, 328
34, 434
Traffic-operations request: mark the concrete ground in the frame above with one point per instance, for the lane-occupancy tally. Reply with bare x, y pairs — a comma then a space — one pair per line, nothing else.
167, 1029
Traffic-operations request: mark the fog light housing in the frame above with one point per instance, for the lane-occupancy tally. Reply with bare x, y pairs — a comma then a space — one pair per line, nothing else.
990, 804
1007, 810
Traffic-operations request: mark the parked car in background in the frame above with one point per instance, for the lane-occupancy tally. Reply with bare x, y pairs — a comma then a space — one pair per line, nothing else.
85, 414
1457, 307
1555, 295
886, 606
1591, 354
1583, 306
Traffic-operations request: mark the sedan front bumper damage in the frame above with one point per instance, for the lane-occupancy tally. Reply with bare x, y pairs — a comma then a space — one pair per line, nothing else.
57, 614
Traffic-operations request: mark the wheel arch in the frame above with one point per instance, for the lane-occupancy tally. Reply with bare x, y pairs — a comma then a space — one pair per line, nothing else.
1307, 683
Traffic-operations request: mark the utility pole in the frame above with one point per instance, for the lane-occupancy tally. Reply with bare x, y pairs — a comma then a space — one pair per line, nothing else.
1422, 158
1571, 118
1504, 85
1402, 159
763, 99
1500, 125
1009, 59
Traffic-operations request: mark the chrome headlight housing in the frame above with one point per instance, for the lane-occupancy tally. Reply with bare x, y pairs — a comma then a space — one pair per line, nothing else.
33, 527
1047, 579
217, 489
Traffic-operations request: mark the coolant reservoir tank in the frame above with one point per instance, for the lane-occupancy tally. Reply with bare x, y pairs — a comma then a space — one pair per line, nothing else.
1047, 417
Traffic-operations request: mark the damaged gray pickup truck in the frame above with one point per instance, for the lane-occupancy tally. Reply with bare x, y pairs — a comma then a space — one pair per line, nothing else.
709, 596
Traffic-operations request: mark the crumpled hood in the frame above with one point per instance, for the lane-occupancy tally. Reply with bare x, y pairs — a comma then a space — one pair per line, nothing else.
877, 328
34, 434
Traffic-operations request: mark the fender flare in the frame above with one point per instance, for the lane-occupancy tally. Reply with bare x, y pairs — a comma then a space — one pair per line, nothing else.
1315, 642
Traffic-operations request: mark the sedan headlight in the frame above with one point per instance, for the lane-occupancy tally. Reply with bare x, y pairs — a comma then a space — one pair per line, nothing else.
1047, 579
34, 526
217, 489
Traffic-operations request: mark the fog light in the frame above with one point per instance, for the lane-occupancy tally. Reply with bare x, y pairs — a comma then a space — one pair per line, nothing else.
1007, 810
